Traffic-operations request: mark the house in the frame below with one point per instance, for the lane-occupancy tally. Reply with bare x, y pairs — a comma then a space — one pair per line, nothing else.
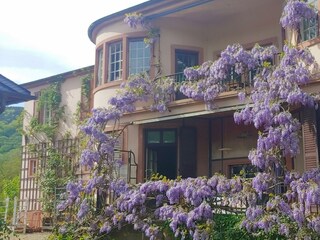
188, 140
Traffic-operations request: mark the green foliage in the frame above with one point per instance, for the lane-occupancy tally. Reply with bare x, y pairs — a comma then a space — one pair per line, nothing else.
10, 163
10, 123
49, 100
85, 85
50, 97
83, 106
10, 187
10, 156
57, 173
5, 231
227, 226
10, 114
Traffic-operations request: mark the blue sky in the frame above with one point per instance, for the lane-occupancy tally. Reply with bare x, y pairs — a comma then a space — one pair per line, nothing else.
41, 38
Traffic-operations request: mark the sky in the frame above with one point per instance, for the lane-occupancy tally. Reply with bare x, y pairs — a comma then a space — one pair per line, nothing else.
41, 38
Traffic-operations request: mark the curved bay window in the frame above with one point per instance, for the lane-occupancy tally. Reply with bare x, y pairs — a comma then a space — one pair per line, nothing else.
121, 58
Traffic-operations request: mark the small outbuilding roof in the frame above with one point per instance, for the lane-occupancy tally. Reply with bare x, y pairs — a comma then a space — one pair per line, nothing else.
12, 93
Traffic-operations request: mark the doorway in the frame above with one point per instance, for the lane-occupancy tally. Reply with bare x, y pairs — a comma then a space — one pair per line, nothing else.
161, 153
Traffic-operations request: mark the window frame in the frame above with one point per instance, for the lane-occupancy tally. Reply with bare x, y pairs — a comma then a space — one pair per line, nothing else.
32, 167
120, 62
306, 26
104, 46
138, 39
100, 63
161, 136
44, 114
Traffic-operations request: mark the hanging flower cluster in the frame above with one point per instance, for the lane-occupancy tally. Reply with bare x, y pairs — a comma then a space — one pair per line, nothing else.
137, 19
157, 92
134, 19
292, 215
275, 90
207, 81
188, 204
295, 12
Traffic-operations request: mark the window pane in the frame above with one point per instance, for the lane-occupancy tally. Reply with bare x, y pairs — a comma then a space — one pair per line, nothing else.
153, 137
139, 56
184, 59
245, 170
169, 136
115, 61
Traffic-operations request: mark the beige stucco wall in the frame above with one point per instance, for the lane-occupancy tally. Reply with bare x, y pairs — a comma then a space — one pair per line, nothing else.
315, 50
113, 30
71, 96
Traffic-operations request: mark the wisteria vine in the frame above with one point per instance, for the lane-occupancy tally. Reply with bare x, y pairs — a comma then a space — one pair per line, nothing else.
188, 205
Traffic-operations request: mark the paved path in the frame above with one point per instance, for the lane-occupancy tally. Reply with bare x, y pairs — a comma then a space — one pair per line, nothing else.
32, 236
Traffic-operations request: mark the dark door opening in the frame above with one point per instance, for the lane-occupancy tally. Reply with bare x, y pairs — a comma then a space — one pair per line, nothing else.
162, 160
161, 153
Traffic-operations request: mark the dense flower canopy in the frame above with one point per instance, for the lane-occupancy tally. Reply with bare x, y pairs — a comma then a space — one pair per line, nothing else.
188, 205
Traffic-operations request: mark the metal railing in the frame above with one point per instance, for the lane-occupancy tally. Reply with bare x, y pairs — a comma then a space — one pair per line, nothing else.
233, 82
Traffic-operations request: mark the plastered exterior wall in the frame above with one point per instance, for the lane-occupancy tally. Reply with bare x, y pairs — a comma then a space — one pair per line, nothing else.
71, 96
214, 37
102, 96
113, 30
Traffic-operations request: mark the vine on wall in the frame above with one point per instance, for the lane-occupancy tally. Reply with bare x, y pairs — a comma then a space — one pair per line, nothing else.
46, 122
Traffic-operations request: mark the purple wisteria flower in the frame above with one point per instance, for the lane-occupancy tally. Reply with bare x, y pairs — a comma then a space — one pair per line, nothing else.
134, 19
294, 12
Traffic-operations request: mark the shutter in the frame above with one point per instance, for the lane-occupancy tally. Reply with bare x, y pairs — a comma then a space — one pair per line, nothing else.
188, 152
309, 139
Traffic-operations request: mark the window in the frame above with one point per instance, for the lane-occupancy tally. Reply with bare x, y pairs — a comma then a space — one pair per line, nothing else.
245, 170
100, 68
161, 136
161, 153
43, 114
115, 61
139, 56
32, 167
184, 59
309, 27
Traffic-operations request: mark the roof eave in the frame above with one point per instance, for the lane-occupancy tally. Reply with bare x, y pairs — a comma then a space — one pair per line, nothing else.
58, 77
121, 13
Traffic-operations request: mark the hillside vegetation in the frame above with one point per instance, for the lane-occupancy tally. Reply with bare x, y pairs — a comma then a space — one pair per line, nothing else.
10, 151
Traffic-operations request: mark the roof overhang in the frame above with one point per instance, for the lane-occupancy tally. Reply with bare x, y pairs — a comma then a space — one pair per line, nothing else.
151, 10
12, 93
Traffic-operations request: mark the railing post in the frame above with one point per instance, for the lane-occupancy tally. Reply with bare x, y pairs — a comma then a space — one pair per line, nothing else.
14, 217
25, 216
6, 210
